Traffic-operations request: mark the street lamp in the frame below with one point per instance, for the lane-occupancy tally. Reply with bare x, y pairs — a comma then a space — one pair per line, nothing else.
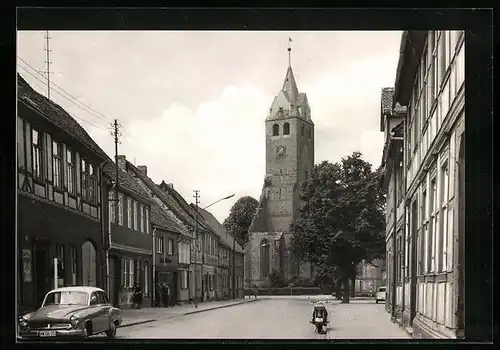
197, 197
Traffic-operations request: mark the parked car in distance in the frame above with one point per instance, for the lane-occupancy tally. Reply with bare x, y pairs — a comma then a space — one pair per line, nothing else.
77, 311
381, 293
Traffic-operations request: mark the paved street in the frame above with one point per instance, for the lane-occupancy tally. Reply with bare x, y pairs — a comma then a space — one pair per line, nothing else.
274, 318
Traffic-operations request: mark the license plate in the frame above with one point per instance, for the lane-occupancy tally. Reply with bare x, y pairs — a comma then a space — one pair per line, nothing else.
47, 333
319, 319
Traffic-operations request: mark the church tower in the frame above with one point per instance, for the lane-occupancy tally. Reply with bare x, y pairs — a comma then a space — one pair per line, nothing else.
289, 161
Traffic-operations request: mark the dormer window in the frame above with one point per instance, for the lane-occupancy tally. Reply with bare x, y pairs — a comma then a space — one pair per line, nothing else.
276, 130
286, 129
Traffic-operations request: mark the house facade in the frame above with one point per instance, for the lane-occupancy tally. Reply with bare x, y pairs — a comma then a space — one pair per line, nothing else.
230, 261
173, 221
59, 177
129, 231
430, 253
166, 253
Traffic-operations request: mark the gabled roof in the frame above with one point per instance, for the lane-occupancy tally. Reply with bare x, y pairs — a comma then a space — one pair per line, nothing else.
184, 205
56, 115
63, 120
169, 201
124, 180
160, 218
226, 238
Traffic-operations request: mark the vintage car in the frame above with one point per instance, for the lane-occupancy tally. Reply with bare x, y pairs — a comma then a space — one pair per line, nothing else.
72, 312
381, 294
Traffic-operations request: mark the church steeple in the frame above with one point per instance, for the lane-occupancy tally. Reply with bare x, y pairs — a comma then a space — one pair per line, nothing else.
290, 85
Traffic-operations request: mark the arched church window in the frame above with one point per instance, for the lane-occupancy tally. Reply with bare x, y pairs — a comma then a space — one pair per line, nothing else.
276, 130
310, 132
302, 130
264, 258
286, 129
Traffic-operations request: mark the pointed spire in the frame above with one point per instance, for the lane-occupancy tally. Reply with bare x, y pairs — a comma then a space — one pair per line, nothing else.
290, 86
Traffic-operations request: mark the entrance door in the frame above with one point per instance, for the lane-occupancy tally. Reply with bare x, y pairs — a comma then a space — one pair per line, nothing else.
42, 273
175, 288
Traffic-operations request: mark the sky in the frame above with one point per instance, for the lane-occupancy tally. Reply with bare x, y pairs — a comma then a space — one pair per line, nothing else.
192, 104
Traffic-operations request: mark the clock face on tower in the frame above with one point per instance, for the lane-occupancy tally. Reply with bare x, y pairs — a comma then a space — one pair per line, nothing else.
280, 151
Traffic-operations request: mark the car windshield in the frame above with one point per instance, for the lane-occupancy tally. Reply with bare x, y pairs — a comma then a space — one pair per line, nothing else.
66, 298
381, 289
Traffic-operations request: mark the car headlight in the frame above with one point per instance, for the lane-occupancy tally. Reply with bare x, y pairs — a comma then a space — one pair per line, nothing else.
74, 320
23, 322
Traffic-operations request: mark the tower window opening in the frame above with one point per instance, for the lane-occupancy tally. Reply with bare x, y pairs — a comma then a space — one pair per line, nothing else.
286, 129
276, 130
310, 132
302, 130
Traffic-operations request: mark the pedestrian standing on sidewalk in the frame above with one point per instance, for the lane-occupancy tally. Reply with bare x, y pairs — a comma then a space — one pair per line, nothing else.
167, 296
137, 298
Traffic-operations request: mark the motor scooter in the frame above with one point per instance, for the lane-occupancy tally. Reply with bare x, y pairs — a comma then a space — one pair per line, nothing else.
319, 318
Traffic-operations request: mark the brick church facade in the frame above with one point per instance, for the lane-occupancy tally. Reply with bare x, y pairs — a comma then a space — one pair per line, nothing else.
289, 161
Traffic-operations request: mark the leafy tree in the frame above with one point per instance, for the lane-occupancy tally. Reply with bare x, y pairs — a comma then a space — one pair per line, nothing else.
342, 219
240, 217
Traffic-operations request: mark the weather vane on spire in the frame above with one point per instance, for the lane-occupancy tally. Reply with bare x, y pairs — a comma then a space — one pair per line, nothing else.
289, 52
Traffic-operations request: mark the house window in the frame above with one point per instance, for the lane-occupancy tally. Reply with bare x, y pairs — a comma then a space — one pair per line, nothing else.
93, 191
443, 236
460, 68
170, 247
37, 148
124, 273
129, 212
141, 215
147, 220
135, 210
112, 204
159, 245
431, 244
276, 130
85, 179
57, 164
131, 273
120, 209
73, 258
286, 129
146, 278
423, 233
71, 171
60, 258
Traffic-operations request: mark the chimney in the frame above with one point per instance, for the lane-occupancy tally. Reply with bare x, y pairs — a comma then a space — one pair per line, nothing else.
122, 161
171, 185
143, 168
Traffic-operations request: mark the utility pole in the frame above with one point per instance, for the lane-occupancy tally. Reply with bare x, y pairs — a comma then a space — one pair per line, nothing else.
197, 202
47, 61
116, 134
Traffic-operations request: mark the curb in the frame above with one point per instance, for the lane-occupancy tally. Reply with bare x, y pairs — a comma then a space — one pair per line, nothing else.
187, 313
220, 307
137, 323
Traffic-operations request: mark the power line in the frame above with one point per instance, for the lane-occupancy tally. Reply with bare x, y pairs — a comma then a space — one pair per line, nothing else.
96, 113
83, 120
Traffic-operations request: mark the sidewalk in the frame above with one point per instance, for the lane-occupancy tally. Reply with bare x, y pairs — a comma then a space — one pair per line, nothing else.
133, 317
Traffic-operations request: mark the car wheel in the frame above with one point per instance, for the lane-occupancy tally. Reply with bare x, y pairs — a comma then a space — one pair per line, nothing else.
87, 330
111, 332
